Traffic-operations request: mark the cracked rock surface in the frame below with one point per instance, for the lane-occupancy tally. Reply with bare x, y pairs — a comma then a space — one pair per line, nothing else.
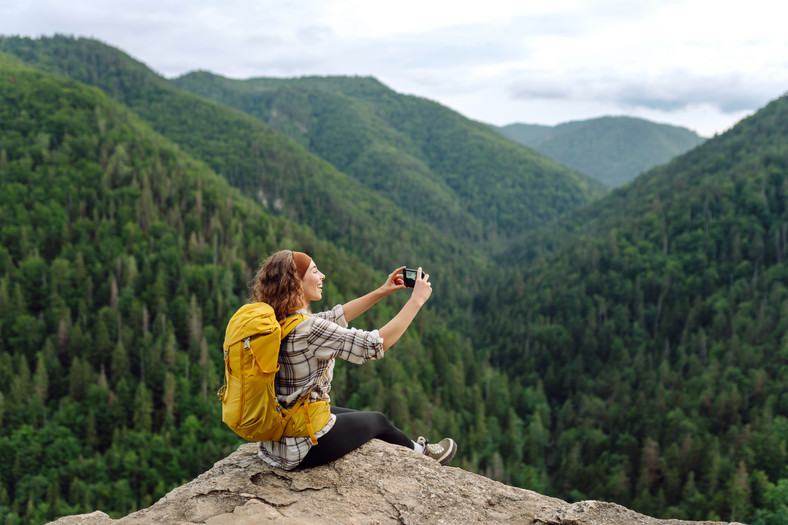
376, 484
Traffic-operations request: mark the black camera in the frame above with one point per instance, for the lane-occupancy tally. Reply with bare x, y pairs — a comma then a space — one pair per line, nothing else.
410, 275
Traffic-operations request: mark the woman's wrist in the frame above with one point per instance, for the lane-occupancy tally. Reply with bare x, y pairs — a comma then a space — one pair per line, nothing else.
417, 301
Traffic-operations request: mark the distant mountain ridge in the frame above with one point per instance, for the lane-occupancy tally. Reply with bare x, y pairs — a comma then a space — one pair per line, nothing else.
447, 170
613, 150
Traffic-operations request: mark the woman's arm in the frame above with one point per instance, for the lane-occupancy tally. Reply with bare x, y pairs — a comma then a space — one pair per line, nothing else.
394, 329
358, 306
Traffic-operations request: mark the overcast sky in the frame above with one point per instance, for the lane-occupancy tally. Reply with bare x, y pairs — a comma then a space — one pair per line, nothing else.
702, 64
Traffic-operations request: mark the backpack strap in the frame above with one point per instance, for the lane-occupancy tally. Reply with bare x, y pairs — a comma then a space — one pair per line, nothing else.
223, 390
287, 326
291, 322
303, 404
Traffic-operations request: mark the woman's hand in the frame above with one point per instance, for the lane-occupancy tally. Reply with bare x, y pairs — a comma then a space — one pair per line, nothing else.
395, 281
423, 288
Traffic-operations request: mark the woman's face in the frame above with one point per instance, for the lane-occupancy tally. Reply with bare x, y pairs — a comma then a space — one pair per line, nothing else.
312, 283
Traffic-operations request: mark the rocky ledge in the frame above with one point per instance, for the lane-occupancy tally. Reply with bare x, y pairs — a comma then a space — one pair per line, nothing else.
379, 483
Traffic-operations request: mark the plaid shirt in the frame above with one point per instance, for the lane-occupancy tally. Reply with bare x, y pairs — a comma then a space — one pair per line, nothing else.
306, 361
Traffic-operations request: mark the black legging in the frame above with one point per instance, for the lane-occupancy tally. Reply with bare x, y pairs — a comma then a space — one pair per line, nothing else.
352, 429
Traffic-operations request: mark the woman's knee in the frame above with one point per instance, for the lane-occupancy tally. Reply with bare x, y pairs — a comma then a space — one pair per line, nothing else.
380, 418
373, 422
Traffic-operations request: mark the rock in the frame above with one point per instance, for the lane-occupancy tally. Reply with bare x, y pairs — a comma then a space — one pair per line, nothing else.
378, 483
94, 518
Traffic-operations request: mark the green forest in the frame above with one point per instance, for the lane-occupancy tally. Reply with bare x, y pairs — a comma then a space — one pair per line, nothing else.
626, 346
658, 331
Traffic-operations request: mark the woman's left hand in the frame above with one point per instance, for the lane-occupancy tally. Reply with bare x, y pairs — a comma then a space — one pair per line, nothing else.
395, 281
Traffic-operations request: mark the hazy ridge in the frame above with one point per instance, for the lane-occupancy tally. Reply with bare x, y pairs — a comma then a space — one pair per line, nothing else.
613, 150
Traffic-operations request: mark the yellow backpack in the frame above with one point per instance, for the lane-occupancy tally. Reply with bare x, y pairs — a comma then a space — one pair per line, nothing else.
249, 404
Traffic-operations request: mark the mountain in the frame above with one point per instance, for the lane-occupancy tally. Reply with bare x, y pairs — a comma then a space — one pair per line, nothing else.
449, 171
284, 178
449, 222
613, 150
121, 259
628, 349
655, 322
378, 483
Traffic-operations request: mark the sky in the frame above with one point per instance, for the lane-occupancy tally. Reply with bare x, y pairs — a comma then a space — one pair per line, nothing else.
701, 64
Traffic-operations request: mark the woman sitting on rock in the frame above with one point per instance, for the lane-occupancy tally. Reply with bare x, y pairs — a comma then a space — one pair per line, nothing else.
289, 281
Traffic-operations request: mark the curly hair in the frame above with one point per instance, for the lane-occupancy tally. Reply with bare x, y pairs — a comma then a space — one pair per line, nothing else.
277, 283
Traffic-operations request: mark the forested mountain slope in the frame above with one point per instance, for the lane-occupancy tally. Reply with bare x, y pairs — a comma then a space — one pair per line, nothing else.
613, 150
446, 169
283, 177
121, 259
657, 325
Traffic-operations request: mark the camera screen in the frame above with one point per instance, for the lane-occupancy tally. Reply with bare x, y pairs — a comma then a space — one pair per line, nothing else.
411, 274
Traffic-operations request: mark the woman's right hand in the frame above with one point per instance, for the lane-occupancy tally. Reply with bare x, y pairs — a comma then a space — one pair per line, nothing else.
423, 288
394, 329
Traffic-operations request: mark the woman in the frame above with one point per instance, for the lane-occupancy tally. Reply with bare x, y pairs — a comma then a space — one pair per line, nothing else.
289, 281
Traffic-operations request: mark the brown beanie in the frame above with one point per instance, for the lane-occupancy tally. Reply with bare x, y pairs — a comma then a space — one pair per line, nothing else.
302, 261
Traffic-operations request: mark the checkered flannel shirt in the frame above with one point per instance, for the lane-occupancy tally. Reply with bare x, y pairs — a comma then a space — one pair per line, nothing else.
306, 360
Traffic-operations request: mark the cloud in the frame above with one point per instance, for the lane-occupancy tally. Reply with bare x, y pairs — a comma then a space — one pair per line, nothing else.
666, 91
653, 57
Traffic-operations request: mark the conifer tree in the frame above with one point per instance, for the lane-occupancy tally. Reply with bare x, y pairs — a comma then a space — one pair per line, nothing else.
119, 367
78, 379
143, 409
41, 378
